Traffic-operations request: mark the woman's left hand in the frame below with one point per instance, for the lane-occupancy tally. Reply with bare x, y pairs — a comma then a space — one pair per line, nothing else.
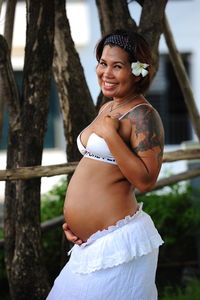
70, 235
106, 126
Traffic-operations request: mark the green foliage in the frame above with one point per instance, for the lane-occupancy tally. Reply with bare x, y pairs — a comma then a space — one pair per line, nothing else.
174, 213
191, 292
177, 217
52, 202
51, 207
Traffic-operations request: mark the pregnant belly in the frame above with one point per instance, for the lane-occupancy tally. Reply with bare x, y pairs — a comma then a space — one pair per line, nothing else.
87, 215
94, 202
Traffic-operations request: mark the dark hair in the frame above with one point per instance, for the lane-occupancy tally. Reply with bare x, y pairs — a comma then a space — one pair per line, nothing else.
136, 47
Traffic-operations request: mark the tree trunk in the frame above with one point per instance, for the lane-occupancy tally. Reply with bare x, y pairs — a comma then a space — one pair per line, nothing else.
8, 33
151, 24
75, 100
10, 93
9, 22
26, 273
114, 14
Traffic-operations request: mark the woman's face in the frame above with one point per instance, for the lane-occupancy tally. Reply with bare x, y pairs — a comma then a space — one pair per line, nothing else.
114, 73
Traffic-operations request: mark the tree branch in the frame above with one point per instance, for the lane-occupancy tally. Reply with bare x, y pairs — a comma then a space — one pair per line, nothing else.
9, 23
182, 77
8, 86
1, 2
187, 154
76, 103
172, 179
69, 168
118, 9
37, 171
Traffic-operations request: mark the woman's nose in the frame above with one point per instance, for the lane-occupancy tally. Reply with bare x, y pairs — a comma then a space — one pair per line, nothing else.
108, 72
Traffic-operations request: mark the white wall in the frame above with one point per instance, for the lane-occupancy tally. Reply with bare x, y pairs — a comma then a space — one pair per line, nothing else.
184, 20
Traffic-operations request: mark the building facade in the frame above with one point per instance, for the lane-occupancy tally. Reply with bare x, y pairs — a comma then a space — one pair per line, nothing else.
164, 94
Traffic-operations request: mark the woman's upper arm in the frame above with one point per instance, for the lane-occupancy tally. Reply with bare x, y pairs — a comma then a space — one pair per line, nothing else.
147, 138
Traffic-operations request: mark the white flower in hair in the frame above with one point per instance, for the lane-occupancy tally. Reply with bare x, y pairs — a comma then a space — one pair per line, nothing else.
139, 68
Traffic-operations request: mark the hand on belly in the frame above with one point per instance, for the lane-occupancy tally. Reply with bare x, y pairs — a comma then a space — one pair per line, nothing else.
70, 235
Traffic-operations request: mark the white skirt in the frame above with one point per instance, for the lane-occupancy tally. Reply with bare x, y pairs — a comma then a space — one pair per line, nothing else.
118, 263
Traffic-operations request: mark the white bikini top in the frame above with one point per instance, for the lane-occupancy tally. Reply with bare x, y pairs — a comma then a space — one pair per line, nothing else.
96, 147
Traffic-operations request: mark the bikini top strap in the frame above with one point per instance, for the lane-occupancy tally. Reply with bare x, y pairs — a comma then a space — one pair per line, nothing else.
140, 104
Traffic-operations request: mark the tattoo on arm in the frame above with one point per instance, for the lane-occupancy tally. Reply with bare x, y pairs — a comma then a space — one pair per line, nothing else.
148, 126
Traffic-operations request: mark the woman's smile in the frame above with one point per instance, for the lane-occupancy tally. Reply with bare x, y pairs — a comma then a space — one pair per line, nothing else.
108, 85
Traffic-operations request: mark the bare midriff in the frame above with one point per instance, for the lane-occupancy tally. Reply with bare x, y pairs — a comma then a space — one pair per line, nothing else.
97, 196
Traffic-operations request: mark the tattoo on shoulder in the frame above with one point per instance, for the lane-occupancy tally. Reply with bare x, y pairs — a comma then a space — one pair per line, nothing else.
148, 127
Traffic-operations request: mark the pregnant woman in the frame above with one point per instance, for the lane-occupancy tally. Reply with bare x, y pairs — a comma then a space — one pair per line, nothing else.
116, 243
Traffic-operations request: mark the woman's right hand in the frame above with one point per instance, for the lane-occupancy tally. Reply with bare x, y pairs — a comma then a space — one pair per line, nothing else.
70, 236
106, 126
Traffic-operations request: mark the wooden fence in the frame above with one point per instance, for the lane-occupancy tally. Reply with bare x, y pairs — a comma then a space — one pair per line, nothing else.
25, 173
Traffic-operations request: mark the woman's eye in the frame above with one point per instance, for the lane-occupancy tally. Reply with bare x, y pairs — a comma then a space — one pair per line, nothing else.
117, 67
102, 63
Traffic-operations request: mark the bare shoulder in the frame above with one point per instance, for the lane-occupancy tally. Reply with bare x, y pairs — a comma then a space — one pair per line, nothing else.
147, 128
